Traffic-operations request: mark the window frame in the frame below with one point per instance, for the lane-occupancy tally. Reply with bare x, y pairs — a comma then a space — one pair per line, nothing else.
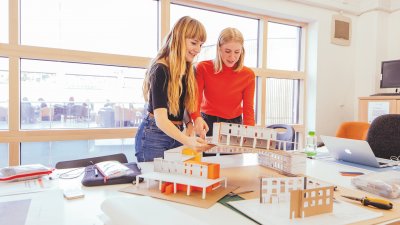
15, 52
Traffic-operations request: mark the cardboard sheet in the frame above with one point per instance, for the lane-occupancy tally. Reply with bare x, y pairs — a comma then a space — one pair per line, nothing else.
278, 213
193, 199
248, 179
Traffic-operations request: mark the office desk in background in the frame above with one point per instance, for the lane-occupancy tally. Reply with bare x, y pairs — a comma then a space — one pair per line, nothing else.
87, 211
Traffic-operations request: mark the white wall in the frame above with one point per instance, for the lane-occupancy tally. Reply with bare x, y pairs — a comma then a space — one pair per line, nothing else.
338, 75
393, 35
330, 67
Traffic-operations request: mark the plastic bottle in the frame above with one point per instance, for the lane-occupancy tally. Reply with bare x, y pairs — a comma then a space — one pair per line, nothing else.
311, 145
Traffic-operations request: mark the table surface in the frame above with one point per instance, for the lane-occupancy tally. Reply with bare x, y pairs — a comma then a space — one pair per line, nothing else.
87, 210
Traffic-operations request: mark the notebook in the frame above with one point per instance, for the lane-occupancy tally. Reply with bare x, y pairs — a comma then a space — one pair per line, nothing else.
355, 151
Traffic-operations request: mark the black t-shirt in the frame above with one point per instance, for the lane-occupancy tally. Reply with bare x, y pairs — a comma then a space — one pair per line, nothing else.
159, 92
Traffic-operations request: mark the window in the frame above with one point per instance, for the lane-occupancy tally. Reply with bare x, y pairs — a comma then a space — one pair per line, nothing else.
123, 27
248, 27
282, 101
72, 95
3, 155
4, 21
4, 93
49, 153
283, 51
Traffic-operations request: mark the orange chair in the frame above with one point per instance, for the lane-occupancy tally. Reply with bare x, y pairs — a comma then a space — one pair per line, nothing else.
353, 130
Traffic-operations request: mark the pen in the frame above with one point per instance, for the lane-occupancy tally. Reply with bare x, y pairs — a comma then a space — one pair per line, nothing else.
96, 174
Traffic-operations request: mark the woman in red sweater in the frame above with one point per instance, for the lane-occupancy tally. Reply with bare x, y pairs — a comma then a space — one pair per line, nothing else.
225, 85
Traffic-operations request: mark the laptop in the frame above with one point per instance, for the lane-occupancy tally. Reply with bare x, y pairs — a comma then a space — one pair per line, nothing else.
355, 151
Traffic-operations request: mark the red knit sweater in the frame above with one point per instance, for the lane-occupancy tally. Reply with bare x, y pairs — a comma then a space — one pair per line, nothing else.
227, 94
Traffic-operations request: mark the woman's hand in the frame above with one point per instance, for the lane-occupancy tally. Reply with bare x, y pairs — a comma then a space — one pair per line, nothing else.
196, 143
201, 127
189, 129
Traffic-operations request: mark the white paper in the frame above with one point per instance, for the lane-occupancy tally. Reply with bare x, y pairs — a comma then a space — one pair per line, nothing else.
376, 109
27, 186
278, 213
144, 210
46, 207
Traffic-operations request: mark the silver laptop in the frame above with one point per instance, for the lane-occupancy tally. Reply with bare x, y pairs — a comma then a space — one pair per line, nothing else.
355, 151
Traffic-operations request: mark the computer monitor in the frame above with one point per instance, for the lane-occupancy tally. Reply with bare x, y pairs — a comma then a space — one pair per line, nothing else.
390, 74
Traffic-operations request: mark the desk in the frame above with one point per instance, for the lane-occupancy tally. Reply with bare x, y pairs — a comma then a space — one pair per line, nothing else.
87, 210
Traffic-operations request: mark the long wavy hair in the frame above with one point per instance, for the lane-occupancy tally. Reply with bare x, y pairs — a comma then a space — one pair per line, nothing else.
227, 35
173, 55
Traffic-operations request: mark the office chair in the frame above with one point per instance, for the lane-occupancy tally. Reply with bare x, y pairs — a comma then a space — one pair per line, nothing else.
120, 157
353, 130
384, 136
287, 135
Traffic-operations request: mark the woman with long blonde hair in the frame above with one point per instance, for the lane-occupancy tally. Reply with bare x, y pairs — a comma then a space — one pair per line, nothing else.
228, 73
170, 89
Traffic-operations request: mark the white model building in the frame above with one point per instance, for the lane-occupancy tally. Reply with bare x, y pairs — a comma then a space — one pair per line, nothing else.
306, 198
186, 173
236, 138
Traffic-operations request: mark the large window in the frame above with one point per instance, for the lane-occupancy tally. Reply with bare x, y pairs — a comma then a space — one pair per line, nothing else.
123, 26
49, 153
71, 81
283, 47
71, 95
283, 53
282, 101
248, 27
4, 21
4, 84
3, 155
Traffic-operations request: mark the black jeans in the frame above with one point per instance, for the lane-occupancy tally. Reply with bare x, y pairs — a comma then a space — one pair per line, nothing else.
210, 120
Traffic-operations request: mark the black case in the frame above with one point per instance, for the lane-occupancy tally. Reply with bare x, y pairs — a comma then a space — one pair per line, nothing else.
90, 179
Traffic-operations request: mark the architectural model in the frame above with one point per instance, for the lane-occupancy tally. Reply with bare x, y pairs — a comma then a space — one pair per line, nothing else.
237, 138
288, 163
278, 187
184, 172
244, 136
311, 202
306, 198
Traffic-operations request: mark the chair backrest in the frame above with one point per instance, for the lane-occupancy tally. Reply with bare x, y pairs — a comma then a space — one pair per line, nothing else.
384, 136
120, 157
287, 135
353, 130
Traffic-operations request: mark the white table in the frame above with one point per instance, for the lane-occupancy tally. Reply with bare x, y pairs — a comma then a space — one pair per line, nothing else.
87, 210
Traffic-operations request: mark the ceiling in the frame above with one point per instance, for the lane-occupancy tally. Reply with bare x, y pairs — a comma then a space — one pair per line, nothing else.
354, 7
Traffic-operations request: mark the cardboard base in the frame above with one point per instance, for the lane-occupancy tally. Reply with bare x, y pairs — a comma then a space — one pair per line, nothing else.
248, 178
278, 213
193, 199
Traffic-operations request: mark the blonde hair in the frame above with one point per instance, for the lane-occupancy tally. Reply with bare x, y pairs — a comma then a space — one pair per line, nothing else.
173, 55
227, 35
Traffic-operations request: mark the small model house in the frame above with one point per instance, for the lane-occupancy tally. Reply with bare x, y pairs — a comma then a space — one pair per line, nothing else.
188, 175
